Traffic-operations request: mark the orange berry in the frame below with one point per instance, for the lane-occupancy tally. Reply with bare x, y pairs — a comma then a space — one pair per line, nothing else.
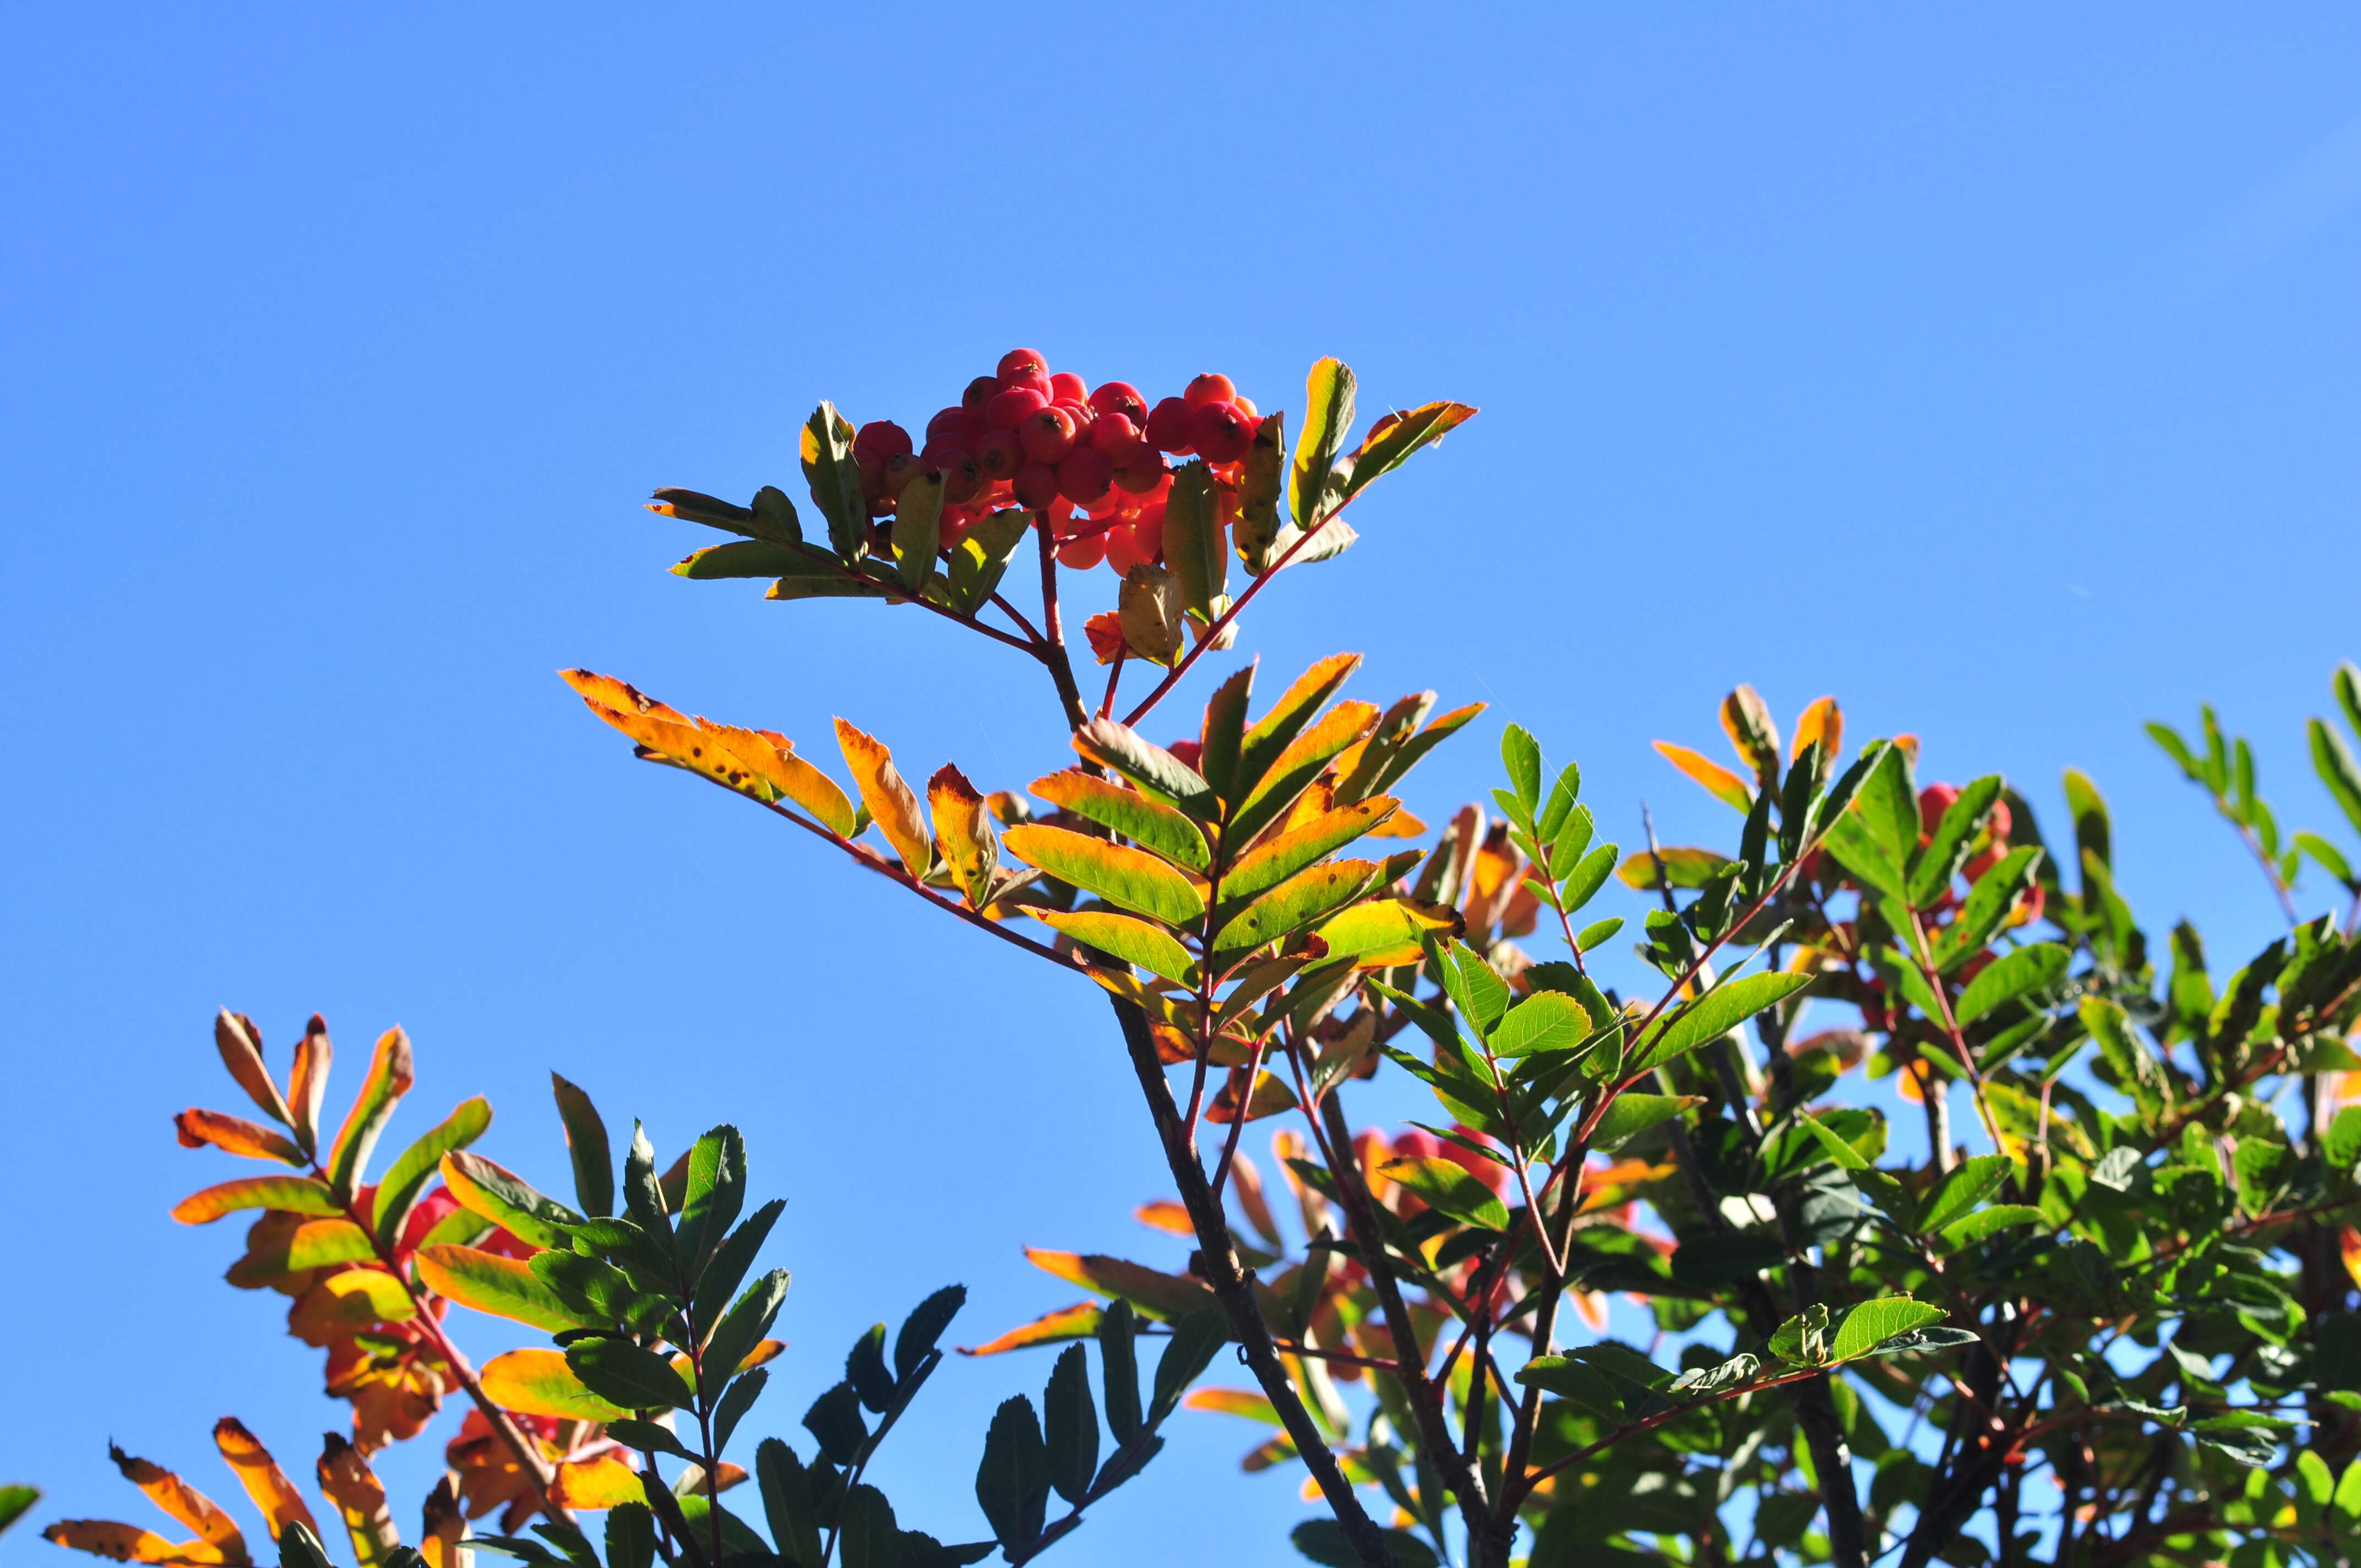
1210, 387
1065, 386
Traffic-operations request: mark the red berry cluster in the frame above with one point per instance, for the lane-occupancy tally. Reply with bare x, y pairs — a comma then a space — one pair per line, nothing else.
1051, 444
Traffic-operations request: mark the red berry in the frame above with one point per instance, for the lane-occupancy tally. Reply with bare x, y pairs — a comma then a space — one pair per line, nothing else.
1065, 386
1168, 426
980, 392
1933, 801
1036, 485
1008, 410
1210, 387
1999, 823
953, 421
1000, 454
1148, 533
961, 480
1017, 361
1118, 437
871, 468
1121, 398
942, 450
1143, 473
1084, 476
1029, 382
1122, 550
1049, 436
881, 439
1220, 432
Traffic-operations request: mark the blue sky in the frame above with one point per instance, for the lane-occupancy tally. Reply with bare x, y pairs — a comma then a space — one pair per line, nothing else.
1996, 374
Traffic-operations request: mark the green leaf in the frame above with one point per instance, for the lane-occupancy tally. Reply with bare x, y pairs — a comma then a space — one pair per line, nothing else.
864, 1368
1933, 868
1597, 932
1886, 804
1305, 758
1275, 859
917, 533
1521, 755
715, 1189
1677, 867
1071, 1425
1450, 1189
504, 1286
1631, 1115
1986, 905
1973, 1181
506, 1199
1192, 538
1155, 771
735, 1401
1986, 1224
2342, 1144
1119, 1371
2332, 761
542, 1383
2141, 1074
730, 1261
389, 1080
1270, 735
1187, 1354
835, 481
914, 1341
742, 1328
1325, 1542
1327, 420
1545, 1021
1153, 826
982, 555
585, 1146
1294, 904
788, 1501
1476, 989
399, 1191
1394, 439
1134, 941
16, 1501
288, 1194
1872, 1323
867, 1535
2040, 967
1132, 878
623, 1373
631, 1536
744, 558
1711, 1017
1857, 848
1222, 731
1012, 1484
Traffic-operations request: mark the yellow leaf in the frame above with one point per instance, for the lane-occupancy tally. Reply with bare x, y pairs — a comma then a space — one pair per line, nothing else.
764, 1350
1251, 1403
964, 841
772, 758
1401, 824
264, 1481
892, 805
297, 1194
601, 1482
1305, 839
502, 1287
2348, 1246
1718, 781
1165, 1297
1747, 721
539, 1383
1165, 1215
129, 1543
1133, 941
346, 1477
1823, 722
1133, 878
606, 691
1379, 932
1080, 1321
349, 1301
183, 1502
311, 1244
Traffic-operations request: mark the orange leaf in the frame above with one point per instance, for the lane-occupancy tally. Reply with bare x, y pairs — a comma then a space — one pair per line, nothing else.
1823, 722
349, 1301
264, 1481
1245, 1180
539, 1383
1165, 1215
599, 1483
288, 1194
442, 1525
1251, 1403
1718, 781
183, 1502
607, 692
964, 840
892, 805
129, 1543
1747, 721
1165, 1297
237, 1134
771, 757
1080, 1321
764, 1350
2349, 1244
346, 1477
275, 1250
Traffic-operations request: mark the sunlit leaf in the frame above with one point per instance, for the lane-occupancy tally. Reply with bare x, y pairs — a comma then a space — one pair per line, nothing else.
1718, 781
1389, 929
1632, 1114
770, 758
601, 1482
1272, 1096
1155, 771
1164, 1296
1678, 867
1327, 422
314, 1243
1152, 825
1287, 775
1133, 941
1080, 1321
240, 1044
1132, 878
892, 803
504, 1286
264, 1481
1275, 859
1259, 749
1447, 1187
981, 557
1872, 1323
917, 529
297, 1194
1293, 905
236, 1136
1394, 439
1192, 539
344, 1474
129, 1543
964, 840
390, 1077
1718, 1012
183, 1502
1251, 1403
398, 1192
835, 481
506, 1199
540, 1383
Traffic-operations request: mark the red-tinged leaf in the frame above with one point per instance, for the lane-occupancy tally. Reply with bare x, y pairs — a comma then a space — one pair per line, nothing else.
390, 1077
1394, 439
675, 738
183, 1502
1167, 1298
1152, 825
344, 1475
1251, 1403
1275, 859
275, 1251
1272, 1096
1166, 1215
893, 805
503, 1287
293, 1194
1080, 1321
129, 1543
601, 1482
235, 1134
1678, 867
1132, 878
1133, 941
240, 1044
308, 1086
964, 841
539, 1383
264, 1481
1718, 781
607, 692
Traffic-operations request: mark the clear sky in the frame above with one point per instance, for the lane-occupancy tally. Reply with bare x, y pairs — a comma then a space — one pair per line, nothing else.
1997, 373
